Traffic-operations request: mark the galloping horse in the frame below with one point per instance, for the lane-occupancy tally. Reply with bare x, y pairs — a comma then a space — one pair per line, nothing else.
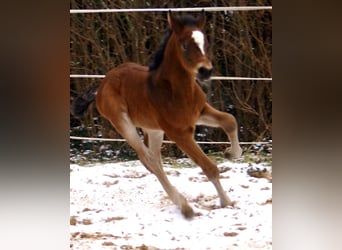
165, 98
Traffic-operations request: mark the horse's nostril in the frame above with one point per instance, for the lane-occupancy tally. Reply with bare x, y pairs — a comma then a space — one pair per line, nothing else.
205, 72
201, 70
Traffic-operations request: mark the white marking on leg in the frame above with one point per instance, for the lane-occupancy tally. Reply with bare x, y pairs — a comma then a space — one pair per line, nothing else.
199, 40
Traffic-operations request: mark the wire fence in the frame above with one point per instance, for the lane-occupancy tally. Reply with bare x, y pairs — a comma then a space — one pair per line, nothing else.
224, 78
197, 9
164, 141
230, 9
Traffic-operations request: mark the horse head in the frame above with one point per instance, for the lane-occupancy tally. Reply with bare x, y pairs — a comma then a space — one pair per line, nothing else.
191, 44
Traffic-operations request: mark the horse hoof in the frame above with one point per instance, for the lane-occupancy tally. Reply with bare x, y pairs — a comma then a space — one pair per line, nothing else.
187, 211
225, 202
232, 155
228, 155
228, 204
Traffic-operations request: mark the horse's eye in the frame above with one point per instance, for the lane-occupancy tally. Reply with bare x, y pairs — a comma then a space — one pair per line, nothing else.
184, 46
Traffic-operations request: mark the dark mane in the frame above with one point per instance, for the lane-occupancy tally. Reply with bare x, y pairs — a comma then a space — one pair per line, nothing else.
188, 20
159, 54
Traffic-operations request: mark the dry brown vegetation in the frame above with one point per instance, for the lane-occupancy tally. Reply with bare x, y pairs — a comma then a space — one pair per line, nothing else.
240, 44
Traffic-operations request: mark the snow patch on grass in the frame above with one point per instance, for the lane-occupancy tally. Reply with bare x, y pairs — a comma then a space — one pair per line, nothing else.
123, 206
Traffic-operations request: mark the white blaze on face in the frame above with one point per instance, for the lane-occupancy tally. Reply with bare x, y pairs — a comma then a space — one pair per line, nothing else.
199, 40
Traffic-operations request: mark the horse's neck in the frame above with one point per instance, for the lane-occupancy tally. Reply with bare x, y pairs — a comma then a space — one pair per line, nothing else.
172, 70
173, 84
178, 79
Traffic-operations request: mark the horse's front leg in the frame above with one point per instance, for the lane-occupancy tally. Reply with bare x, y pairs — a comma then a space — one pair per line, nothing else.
214, 118
184, 140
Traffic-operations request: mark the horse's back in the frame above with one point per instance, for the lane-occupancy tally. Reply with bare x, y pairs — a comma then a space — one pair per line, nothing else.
129, 73
124, 90
125, 77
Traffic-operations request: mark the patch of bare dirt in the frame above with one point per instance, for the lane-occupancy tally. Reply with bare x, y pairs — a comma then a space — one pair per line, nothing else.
110, 219
142, 247
198, 179
206, 202
172, 172
108, 183
260, 173
230, 234
108, 243
269, 201
87, 222
224, 169
73, 220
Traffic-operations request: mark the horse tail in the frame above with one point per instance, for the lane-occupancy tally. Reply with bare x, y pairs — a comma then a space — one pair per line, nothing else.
81, 103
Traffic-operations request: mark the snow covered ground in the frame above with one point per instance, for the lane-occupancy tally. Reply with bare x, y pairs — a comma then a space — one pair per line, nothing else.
123, 206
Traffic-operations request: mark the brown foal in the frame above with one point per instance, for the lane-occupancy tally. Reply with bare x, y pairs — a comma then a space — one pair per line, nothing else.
166, 98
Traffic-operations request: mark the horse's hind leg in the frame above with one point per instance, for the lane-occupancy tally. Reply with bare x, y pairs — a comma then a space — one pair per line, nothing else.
153, 139
149, 154
214, 118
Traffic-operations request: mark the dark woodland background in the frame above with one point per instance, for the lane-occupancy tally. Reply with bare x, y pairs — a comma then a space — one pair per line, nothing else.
240, 44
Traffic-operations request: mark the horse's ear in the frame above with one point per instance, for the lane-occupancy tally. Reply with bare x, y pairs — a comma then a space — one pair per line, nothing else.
169, 19
201, 20
174, 23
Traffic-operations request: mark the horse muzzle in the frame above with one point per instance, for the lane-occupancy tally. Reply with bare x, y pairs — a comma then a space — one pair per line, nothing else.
204, 74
